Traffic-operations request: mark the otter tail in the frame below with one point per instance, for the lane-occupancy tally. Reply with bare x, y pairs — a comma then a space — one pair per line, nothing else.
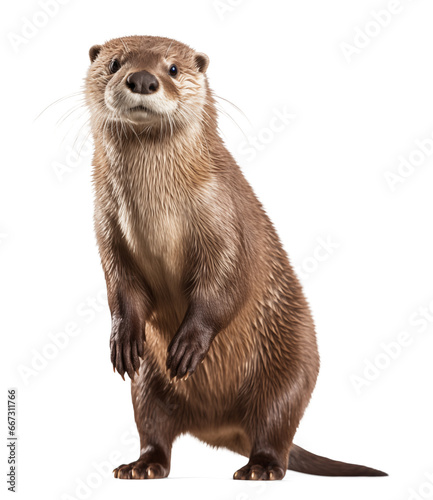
301, 460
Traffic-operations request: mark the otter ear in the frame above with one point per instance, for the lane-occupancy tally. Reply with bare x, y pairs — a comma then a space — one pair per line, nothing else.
94, 51
201, 61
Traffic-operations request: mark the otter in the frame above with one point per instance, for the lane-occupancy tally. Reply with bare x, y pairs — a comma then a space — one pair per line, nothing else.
209, 320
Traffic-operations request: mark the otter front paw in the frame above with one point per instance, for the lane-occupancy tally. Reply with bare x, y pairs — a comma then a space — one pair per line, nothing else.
186, 350
126, 344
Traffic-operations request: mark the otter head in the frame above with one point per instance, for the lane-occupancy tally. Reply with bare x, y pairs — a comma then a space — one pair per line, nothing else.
150, 83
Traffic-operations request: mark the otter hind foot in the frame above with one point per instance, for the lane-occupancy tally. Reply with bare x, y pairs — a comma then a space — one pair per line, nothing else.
141, 469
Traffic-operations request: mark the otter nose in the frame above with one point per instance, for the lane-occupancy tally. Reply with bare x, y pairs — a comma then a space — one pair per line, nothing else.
142, 82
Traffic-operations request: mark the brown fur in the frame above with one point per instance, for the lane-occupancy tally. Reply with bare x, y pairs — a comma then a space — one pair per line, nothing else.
195, 272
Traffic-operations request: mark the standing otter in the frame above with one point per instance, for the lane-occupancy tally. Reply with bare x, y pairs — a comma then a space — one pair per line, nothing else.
195, 271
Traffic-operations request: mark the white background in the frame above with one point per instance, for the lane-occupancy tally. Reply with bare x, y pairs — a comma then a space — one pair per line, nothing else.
321, 177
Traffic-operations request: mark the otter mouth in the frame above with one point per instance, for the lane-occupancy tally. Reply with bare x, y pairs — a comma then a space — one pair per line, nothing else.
141, 108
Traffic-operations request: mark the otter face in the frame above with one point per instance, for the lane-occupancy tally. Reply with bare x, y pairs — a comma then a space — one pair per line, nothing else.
150, 81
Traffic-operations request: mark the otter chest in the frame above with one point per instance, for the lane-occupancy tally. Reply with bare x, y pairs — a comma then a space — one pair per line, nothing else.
153, 226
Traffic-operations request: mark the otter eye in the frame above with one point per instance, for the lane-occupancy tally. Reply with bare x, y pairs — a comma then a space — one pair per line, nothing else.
173, 70
114, 66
